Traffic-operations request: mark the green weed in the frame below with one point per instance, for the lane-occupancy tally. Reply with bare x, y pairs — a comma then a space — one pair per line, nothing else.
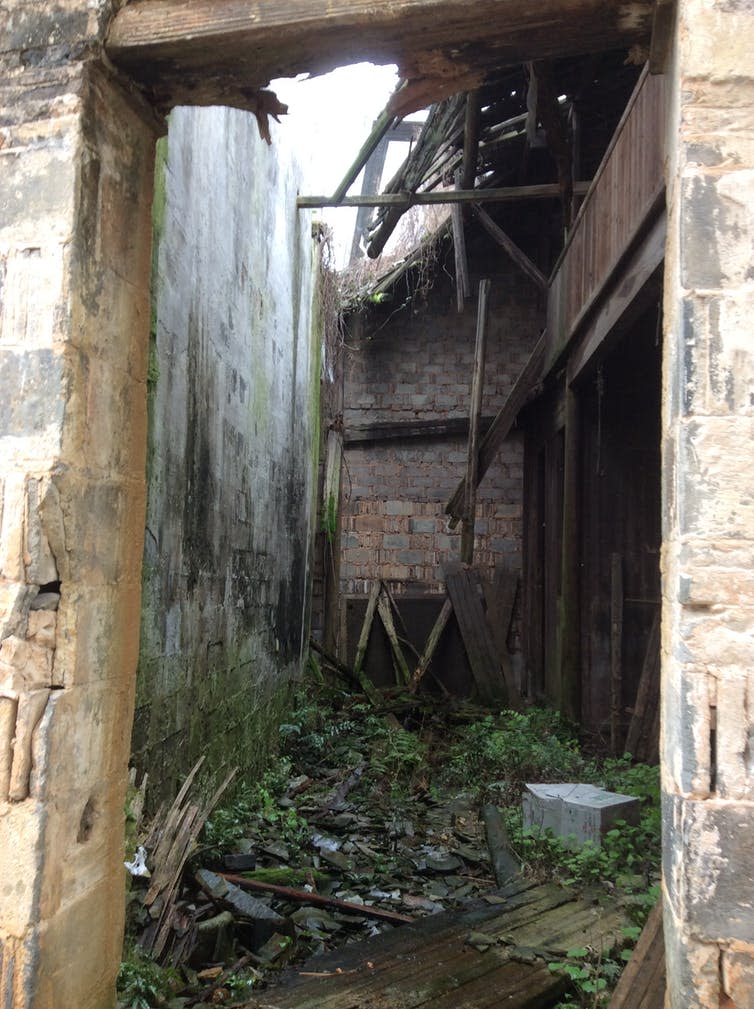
143, 984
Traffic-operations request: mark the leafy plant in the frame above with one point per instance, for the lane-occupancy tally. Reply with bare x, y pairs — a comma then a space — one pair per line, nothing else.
143, 984
504, 753
592, 975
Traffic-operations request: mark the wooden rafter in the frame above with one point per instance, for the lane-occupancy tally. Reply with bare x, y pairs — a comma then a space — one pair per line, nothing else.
402, 201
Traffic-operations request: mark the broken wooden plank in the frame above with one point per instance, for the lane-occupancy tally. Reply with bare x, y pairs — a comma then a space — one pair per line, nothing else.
463, 589
642, 984
475, 413
431, 962
405, 200
504, 863
317, 899
199, 52
500, 428
431, 646
616, 650
519, 258
639, 741
386, 616
449, 427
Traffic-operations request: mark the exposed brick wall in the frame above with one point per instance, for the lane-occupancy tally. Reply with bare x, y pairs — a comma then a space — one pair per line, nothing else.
417, 365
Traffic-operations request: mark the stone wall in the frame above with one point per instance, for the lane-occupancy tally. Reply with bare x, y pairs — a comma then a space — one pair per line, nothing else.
234, 379
416, 365
708, 551
76, 168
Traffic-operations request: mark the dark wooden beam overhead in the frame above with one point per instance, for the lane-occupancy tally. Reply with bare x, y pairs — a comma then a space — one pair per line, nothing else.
203, 52
507, 194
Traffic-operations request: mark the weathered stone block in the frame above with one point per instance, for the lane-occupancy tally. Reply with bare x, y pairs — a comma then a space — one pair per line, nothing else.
581, 812
709, 867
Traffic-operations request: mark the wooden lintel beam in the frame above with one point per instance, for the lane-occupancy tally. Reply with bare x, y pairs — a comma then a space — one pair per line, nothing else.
199, 51
547, 191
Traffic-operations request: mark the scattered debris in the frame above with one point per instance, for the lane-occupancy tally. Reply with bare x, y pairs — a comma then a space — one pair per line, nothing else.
360, 842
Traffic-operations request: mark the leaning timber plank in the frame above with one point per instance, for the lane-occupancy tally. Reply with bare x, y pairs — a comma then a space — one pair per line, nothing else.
519, 258
475, 414
500, 597
477, 639
647, 694
365, 683
501, 426
386, 616
642, 984
405, 200
431, 646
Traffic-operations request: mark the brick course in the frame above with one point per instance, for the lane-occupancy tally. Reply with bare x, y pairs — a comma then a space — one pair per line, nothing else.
418, 367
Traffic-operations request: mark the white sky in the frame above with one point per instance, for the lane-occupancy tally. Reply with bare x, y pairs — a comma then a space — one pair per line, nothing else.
329, 118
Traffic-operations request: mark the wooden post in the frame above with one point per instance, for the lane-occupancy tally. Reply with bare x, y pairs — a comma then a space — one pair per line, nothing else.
570, 606
616, 647
470, 141
459, 251
475, 413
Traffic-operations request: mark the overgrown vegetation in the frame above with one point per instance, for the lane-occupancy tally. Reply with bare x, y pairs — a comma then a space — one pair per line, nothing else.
399, 771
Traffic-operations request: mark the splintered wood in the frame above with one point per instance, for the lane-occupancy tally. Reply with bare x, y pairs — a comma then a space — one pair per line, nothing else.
440, 961
169, 843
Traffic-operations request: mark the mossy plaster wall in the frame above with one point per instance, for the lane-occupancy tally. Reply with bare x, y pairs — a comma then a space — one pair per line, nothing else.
234, 368
76, 170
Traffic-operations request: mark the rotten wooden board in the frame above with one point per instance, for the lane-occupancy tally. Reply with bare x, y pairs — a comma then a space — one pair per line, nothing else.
214, 52
642, 984
463, 589
430, 961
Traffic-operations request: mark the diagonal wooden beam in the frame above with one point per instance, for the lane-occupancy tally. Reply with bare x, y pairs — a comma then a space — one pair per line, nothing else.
519, 258
200, 51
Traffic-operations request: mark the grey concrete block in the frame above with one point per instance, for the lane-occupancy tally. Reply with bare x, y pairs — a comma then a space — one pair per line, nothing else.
581, 812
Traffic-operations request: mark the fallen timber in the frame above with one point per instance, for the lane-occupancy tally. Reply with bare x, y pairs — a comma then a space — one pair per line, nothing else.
495, 952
